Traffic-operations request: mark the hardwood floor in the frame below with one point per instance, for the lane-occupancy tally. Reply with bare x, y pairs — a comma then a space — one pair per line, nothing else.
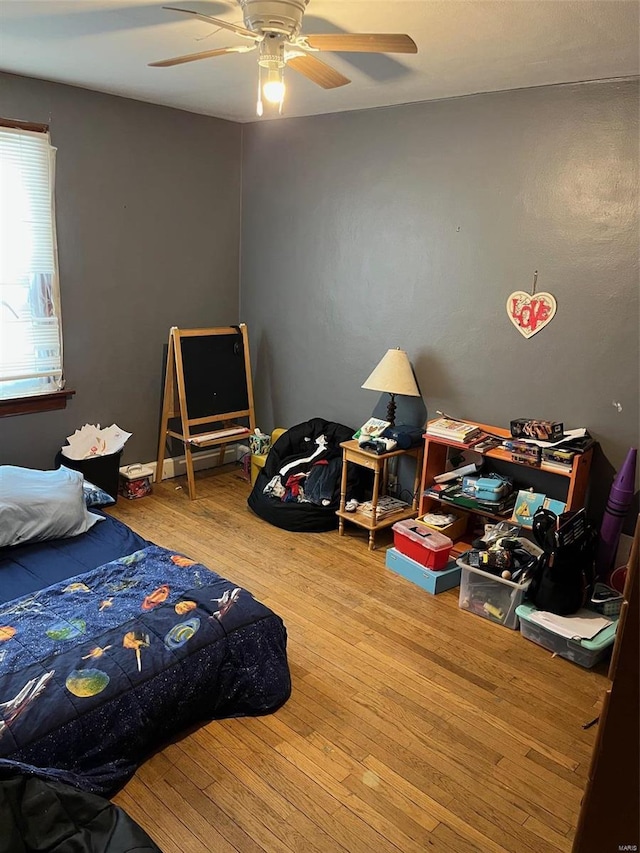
412, 726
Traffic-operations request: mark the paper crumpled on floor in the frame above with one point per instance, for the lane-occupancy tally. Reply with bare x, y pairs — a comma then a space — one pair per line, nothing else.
90, 441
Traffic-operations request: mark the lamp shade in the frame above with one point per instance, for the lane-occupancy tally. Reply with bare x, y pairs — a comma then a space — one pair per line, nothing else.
393, 375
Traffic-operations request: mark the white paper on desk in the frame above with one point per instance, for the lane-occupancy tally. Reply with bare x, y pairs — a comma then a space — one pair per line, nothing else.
570, 435
584, 624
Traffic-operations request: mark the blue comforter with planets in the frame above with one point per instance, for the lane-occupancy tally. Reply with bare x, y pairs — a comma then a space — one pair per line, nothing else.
98, 670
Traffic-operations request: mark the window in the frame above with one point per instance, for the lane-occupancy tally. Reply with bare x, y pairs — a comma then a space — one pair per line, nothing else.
30, 324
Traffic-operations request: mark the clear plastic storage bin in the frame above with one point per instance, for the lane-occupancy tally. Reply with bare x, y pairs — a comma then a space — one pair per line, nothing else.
586, 653
490, 596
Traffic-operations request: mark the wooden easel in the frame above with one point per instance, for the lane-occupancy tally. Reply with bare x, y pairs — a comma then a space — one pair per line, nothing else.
218, 394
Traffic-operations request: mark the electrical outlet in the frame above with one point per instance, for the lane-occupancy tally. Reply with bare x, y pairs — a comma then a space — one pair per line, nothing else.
392, 485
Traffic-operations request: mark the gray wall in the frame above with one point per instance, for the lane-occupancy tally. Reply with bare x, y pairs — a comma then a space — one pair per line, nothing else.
410, 226
406, 226
148, 214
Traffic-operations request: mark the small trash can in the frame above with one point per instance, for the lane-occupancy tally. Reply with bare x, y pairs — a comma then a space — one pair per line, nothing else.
102, 471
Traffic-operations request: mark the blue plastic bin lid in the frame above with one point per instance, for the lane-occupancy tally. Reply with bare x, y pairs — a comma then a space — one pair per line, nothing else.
601, 640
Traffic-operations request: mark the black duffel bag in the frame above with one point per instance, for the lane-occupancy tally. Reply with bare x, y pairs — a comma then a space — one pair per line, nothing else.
563, 580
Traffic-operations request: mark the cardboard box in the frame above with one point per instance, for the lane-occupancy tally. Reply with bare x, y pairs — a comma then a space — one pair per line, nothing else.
455, 529
432, 582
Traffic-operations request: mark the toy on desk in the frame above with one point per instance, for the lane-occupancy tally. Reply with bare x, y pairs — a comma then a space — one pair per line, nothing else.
373, 428
559, 458
526, 454
491, 488
540, 430
371, 436
377, 445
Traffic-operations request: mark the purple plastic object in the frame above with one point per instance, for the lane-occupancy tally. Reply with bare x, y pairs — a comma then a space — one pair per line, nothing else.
618, 505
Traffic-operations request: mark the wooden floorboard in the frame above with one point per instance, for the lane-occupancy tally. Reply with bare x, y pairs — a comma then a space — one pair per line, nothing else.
412, 725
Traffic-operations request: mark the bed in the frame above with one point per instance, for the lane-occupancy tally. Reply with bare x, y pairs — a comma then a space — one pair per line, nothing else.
110, 645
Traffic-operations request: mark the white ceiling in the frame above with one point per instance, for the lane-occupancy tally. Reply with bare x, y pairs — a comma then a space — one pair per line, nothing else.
464, 46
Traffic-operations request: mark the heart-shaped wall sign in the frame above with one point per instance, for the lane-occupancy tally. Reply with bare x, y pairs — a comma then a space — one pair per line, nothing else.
530, 313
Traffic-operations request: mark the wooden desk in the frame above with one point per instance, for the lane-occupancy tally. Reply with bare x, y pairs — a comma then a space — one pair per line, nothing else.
378, 463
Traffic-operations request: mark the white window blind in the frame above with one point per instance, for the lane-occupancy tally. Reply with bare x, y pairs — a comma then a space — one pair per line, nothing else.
30, 324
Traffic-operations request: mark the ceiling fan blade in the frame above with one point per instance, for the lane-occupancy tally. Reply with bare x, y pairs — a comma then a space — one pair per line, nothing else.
317, 71
235, 28
193, 57
363, 43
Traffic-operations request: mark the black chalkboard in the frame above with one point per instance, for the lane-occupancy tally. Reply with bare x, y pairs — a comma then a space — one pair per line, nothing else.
210, 372
215, 376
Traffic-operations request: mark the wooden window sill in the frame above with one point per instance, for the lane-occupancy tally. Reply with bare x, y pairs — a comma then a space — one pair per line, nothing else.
34, 403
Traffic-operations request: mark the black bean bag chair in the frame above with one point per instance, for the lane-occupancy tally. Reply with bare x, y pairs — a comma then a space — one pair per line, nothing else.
290, 451
41, 812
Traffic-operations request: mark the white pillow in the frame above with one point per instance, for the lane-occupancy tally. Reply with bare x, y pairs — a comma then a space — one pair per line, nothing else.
38, 505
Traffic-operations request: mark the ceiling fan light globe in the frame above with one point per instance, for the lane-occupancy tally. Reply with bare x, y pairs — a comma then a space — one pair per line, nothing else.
274, 91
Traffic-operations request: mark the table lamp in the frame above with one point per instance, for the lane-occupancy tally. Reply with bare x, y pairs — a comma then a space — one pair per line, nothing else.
393, 375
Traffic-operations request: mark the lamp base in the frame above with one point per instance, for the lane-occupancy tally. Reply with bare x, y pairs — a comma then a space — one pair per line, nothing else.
391, 410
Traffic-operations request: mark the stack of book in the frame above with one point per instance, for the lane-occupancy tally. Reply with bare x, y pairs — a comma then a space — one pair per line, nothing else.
387, 505
457, 431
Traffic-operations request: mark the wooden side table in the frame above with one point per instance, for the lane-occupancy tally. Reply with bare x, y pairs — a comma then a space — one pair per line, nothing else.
378, 463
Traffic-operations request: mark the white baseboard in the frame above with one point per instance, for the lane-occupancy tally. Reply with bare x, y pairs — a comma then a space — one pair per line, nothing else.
175, 466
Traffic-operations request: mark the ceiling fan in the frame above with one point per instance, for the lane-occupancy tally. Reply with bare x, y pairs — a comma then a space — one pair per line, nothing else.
273, 27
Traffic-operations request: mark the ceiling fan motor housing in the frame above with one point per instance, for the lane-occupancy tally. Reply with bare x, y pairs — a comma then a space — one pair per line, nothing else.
275, 16
272, 51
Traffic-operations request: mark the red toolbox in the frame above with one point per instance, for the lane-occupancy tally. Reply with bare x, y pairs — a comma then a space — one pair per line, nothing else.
425, 546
